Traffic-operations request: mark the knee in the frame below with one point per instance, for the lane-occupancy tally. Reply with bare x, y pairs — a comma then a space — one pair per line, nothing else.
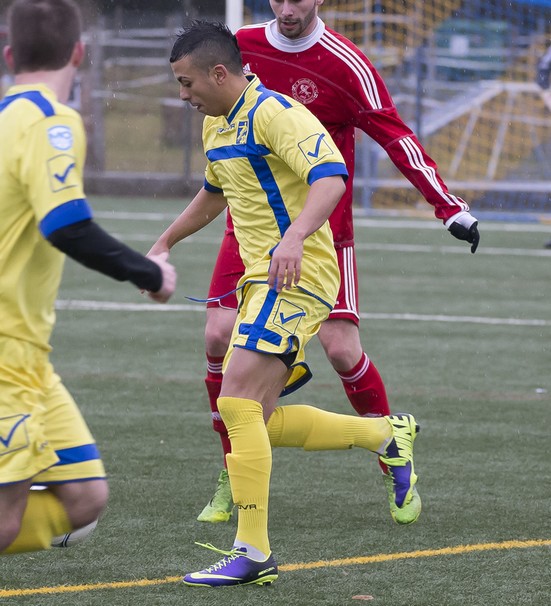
92, 502
84, 502
9, 529
338, 353
217, 337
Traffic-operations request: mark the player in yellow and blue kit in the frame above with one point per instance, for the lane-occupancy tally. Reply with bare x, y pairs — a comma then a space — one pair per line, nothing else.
276, 167
43, 213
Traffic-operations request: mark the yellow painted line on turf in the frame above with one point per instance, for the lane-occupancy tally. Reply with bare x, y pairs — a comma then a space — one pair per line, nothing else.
409, 555
374, 559
10, 593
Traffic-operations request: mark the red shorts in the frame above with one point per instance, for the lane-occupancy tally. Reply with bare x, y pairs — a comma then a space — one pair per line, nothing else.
229, 269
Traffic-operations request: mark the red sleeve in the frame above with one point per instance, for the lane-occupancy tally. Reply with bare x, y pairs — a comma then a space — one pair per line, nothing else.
408, 155
374, 112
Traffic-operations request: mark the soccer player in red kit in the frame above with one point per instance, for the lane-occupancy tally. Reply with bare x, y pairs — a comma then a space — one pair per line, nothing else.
296, 54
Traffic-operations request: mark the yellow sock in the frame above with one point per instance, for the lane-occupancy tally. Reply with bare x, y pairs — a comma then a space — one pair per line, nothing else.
315, 429
249, 468
44, 518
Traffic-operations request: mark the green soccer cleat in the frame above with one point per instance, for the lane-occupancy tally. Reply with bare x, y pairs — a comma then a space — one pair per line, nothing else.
220, 507
405, 502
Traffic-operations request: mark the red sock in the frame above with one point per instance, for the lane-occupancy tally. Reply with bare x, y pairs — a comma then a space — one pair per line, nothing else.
365, 388
366, 391
213, 381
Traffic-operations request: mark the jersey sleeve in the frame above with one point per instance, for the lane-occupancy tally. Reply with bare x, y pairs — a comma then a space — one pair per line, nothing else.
301, 141
211, 182
408, 155
51, 170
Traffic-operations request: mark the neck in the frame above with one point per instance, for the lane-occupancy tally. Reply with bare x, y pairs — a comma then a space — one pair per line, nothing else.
235, 90
59, 81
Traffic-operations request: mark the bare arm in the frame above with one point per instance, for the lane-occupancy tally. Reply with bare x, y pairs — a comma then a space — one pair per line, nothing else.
322, 198
203, 209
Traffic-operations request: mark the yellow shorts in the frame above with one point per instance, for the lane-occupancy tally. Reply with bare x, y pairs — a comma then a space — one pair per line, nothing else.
43, 435
278, 323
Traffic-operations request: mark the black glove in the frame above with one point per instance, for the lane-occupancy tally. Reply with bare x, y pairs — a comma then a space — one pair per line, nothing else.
464, 226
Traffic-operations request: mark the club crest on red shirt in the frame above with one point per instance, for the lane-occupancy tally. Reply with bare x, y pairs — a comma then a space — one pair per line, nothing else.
305, 91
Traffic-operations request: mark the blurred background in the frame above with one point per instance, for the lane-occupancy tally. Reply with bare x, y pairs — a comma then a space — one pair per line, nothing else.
463, 74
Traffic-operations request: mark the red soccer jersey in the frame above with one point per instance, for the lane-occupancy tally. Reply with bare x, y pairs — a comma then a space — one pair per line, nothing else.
334, 79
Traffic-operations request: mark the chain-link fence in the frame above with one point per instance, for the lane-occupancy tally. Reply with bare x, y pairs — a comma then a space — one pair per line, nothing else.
463, 75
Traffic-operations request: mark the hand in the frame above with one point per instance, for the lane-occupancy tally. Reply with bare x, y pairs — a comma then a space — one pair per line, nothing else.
168, 285
464, 226
286, 263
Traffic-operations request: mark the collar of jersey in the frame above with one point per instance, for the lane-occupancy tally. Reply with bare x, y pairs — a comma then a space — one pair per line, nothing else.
253, 83
279, 41
17, 89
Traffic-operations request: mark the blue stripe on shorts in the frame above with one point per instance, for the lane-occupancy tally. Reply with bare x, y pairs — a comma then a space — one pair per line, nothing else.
77, 454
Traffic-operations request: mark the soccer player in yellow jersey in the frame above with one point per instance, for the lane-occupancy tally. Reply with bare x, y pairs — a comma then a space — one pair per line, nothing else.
276, 167
43, 213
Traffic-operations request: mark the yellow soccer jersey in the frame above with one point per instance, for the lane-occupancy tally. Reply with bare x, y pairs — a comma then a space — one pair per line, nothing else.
263, 156
41, 162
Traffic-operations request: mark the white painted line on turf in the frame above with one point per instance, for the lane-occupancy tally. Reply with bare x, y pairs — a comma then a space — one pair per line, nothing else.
358, 222
435, 224
457, 319
422, 248
70, 304
409, 248
64, 304
134, 216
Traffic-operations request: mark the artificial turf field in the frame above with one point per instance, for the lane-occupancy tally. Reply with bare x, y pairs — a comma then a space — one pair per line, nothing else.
463, 341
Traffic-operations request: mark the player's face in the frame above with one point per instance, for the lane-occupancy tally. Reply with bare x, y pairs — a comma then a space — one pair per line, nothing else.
295, 18
199, 88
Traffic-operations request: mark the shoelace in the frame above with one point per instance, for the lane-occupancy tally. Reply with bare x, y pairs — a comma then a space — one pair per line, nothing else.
229, 556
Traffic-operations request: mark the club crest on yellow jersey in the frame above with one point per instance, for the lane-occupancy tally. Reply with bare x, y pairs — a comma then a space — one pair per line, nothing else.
60, 137
242, 132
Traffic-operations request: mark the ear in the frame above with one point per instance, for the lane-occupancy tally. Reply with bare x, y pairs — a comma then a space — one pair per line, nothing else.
78, 54
219, 73
8, 57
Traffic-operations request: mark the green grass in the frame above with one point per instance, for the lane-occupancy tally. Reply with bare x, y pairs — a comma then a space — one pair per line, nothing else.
480, 391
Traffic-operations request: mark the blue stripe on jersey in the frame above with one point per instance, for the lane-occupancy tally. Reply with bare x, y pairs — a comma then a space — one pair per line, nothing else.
213, 189
255, 153
65, 214
238, 106
269, 185
227, 152
262, 172
33, 95
78, 454
330, 169
261, 167
266, 92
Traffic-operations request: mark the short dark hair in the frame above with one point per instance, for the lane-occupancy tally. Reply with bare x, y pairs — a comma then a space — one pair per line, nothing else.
43, 33
210, 43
